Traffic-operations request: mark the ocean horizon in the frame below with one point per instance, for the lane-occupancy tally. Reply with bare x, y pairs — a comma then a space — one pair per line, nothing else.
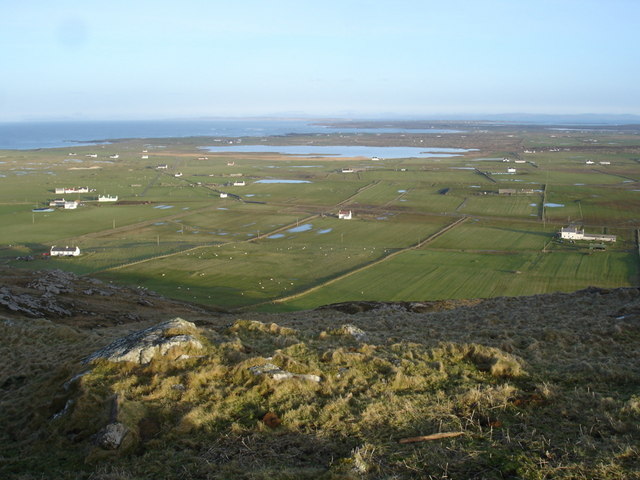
62, 134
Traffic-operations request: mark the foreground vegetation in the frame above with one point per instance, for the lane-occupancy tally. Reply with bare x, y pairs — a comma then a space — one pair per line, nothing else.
521, 388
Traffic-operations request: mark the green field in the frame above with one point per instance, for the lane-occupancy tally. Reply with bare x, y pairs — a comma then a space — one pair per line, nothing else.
172, 232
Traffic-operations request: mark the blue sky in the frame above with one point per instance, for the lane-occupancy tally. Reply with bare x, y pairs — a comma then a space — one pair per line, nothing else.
188, 58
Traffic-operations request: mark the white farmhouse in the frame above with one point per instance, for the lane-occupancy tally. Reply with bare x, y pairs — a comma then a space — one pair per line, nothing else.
511, 170
61, 202
107, 198
64, 251
345, 215
575, 233
72, 190
223, 195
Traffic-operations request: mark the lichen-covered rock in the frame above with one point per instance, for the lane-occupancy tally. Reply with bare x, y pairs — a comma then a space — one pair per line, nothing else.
277, 373
358, 334
111, 436
141, 347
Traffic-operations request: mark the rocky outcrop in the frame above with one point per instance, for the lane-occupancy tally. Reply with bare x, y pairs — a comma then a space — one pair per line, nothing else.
142, 346
54, 281
33, 306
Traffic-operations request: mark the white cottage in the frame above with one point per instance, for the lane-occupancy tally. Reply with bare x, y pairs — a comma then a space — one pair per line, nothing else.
64, 251
345, 215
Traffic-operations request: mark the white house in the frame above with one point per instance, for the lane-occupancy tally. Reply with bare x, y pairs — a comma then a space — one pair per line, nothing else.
92, 155
223, 195
64, 251
61, 202
144, 157
589, 162
345, 215
574, 233
520, 161
347, 170
605, 163
239, 183
179, 174
114, 156
511, 170
72, 190
107, 198
162, 166
375, 159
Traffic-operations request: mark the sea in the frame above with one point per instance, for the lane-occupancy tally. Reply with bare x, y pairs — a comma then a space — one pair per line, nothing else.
35, 135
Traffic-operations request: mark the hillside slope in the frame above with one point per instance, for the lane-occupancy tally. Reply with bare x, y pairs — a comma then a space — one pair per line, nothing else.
536, 387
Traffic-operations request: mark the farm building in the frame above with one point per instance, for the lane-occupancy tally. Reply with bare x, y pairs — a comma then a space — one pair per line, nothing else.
511, 170
72, 190
107, 198
223, 195
239, 183
345, 215
574, 233
162, 166
64, 251
513, 191
347, 170
61, 202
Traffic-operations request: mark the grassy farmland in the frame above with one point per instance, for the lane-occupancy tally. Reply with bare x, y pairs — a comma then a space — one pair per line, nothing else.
171, 231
